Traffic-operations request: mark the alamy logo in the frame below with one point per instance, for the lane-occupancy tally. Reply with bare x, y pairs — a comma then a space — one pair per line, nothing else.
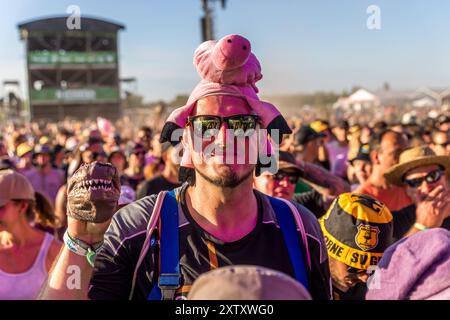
73, 21
374, 20
257, 147
73, 282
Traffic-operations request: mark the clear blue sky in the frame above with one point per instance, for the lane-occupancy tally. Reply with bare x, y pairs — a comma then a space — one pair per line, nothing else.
303, 46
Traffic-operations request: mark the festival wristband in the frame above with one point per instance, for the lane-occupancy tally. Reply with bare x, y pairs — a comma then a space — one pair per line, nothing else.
82, 248
420, 226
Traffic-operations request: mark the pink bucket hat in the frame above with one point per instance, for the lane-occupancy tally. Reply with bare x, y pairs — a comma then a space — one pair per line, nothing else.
227, 67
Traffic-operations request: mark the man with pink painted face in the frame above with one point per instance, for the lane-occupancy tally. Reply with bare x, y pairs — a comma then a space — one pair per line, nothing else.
221, 219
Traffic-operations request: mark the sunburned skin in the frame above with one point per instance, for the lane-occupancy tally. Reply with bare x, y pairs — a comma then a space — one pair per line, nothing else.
93, 192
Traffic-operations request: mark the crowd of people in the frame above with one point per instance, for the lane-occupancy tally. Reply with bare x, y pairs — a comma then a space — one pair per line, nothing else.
371, 202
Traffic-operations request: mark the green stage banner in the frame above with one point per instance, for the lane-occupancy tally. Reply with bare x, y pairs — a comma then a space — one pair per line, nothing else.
75, 95
71, 57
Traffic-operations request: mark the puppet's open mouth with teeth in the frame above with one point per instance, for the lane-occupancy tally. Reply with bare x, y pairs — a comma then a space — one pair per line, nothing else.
93, 192
95, 184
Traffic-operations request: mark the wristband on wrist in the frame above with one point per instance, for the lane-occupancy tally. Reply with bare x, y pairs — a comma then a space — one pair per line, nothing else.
420, 226
82, 248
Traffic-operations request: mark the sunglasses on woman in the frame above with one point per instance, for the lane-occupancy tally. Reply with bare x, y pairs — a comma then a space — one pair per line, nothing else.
281, 175
431, 177
208, 126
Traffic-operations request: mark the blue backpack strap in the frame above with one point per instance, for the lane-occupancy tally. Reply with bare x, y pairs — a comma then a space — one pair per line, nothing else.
169, 279
291, 237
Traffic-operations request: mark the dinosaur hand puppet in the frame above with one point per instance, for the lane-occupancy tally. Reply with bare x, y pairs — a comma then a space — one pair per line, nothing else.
93, 192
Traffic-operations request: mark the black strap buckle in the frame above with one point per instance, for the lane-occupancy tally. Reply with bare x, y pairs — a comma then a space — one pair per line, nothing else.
169, 283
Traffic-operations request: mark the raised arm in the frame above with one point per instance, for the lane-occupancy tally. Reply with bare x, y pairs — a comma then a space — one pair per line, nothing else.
70, 275
324, 179
93, 192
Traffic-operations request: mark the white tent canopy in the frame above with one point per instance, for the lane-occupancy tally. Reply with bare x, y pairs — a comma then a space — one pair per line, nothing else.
424, 102
361, 96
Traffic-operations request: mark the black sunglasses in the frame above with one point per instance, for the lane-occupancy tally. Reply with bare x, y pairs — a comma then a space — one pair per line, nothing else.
444, 145
281, 175
431, 177
208, 126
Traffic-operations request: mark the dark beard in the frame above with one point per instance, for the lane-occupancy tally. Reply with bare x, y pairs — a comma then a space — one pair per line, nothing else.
231, 181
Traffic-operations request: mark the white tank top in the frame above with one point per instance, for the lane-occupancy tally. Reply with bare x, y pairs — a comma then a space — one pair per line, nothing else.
26, 285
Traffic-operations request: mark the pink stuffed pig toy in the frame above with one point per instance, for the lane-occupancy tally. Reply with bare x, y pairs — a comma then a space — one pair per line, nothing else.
228, 61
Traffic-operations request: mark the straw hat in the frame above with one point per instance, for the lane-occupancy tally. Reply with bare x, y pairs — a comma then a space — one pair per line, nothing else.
413, 158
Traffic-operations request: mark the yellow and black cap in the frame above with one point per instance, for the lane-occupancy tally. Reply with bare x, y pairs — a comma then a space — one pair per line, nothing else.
363, 154
357, 229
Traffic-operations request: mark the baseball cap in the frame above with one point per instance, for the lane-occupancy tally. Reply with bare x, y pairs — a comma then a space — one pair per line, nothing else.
363, 154
357, 229
320, 125
14, 186
245, 282
286, 162
306, 134
23, 149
